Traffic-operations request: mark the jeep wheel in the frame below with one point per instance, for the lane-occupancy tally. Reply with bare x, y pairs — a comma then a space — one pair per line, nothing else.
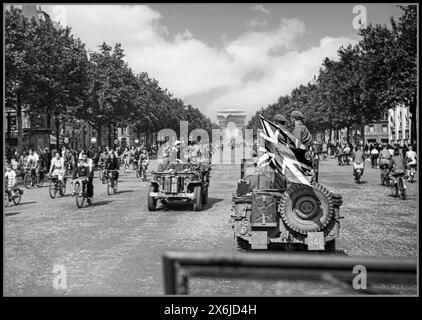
306, 209
197, 202
152, 202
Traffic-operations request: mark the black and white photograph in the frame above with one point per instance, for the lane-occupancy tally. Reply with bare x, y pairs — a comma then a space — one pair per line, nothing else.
210, 150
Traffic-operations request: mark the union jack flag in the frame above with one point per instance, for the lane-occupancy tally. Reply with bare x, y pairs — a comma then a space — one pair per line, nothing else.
285, 153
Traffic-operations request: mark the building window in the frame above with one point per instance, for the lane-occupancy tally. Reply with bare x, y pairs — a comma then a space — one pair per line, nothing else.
371, 128
384, 128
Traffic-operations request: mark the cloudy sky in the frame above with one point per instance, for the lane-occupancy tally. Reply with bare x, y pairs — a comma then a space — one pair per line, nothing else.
217, 56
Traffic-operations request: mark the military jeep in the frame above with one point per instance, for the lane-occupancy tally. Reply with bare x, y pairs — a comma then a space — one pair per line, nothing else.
181, 182
292, 217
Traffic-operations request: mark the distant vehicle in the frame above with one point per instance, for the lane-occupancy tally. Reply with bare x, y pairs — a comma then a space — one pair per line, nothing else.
186, 182
299, 217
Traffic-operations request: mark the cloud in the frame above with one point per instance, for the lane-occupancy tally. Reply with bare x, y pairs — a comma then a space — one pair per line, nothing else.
260, 8
248, 72
256, 23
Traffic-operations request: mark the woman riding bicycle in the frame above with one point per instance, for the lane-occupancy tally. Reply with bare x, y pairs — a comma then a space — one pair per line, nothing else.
113, 164
397, 167
58, 163
126, 157
10, 176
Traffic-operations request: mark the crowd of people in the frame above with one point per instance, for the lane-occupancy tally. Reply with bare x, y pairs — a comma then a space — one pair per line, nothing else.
71, 163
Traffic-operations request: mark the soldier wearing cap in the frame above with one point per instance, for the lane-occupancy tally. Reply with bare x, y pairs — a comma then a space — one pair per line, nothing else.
300, 131
304, 136
280, 120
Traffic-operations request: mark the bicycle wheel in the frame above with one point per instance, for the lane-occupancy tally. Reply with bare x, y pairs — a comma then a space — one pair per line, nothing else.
110, 187
27, 180
394, 189
52, 188
79, 196
402, 190
17, 197
63, 187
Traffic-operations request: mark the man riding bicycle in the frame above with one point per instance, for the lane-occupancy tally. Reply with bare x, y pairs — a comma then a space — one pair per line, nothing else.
84, 169
33, 162
374, 156
58, 164
113, 164
411, 161
358, 159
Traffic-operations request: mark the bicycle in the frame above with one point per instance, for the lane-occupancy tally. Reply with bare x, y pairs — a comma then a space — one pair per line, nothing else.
397, 187
16, 198
143, 169
410, 172
30, 178
374, 159
81, 191
385, 177
56, 186
102, 173
126, 165
111, 182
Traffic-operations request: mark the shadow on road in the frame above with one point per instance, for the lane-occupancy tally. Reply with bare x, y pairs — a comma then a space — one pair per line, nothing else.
100, 203
211, 203
29, 202
124, 191
12, 214
187, 206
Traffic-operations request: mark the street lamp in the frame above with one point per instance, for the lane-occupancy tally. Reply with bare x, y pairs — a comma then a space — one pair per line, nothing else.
136, 141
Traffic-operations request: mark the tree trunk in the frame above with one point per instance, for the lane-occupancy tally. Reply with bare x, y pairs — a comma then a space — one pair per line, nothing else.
362, 132
348, 134
109, 135
330, 135
57, 133
19, 119
99, 136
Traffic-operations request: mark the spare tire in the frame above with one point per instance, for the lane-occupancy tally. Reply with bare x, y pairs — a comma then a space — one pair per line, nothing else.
306, 209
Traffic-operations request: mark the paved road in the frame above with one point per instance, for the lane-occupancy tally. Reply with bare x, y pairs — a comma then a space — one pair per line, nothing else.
114, 247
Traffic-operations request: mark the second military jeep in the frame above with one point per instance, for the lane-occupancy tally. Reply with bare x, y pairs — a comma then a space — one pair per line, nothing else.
182, 182
293, 217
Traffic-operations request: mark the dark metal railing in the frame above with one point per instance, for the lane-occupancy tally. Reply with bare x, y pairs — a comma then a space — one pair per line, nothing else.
178, 267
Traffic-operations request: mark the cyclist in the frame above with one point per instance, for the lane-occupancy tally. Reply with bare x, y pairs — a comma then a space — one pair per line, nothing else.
113, 164
58, 163
397, 165
126, 157
358, 159
374, 156
411, 161
84, 169
144, 157
346, 152
385, 158
33, 162
10, 176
